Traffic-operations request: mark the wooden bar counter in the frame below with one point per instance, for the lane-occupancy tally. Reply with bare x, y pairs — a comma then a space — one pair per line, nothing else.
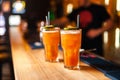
30, 64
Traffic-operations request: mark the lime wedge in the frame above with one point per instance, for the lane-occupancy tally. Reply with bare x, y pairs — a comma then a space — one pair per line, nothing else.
49, 27
72, 28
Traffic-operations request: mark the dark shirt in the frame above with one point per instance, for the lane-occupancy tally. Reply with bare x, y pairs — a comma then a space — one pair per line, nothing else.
91, 17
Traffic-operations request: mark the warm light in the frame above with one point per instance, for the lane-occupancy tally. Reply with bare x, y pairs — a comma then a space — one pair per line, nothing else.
107, 2
19, 7
14, 20
118, 5
69, 8
6, 6
117, 37
105, 37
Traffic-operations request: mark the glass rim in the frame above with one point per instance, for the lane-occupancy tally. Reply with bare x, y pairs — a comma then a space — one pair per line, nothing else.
70, 31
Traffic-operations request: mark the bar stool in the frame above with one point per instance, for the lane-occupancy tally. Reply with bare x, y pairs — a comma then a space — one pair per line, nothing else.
5, 55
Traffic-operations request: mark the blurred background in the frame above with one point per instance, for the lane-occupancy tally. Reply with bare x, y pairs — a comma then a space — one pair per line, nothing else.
26, 13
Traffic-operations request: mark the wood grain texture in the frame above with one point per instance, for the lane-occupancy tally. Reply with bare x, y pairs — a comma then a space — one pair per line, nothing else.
30, 64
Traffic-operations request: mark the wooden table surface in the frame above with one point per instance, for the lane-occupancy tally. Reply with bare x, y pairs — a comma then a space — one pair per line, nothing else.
30, 64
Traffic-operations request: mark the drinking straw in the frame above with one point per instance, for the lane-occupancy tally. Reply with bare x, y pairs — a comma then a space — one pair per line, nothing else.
48, 17
46, 20
78, 21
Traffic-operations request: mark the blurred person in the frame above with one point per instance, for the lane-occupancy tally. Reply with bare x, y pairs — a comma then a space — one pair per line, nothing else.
94, 20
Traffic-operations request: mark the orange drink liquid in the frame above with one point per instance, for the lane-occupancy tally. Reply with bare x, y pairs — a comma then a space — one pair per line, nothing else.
51, 42
71, 43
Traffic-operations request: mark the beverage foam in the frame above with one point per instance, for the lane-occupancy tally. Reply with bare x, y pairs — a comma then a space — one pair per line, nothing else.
70, 32
50, 31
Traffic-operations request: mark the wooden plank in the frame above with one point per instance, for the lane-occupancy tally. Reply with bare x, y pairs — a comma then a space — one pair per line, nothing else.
30, 64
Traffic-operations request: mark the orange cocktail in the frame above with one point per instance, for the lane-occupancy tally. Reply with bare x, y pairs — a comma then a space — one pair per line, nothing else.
51, 42
71, 43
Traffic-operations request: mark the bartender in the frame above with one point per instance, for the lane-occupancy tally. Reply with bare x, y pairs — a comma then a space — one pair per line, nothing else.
94, 20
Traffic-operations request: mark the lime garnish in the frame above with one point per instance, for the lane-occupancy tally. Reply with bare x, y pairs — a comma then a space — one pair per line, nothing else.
71, 28
49, 27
